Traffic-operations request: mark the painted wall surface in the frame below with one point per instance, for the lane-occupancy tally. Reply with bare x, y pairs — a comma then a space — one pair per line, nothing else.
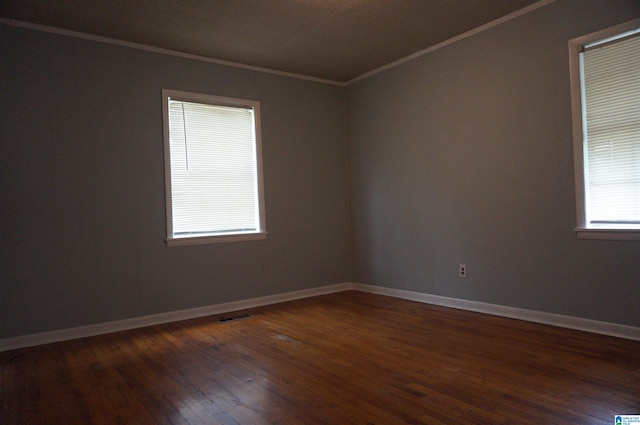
82, 186
465, 156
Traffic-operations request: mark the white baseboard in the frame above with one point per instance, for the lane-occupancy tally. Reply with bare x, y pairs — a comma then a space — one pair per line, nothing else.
612, 329
156, 319
577, 323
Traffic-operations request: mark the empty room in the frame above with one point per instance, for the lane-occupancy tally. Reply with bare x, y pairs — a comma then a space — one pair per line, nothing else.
306, 212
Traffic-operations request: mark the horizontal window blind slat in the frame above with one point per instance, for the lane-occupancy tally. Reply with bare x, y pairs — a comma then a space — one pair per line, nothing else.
213, 168
611, 79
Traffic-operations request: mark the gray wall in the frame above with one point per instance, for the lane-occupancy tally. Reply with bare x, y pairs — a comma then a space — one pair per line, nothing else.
465, 156
82, 186
461, 156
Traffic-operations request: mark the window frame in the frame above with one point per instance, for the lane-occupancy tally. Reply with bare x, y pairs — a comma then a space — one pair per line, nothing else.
583, 230
260, 233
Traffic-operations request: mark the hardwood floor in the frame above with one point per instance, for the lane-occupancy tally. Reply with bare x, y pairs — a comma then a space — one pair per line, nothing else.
347, 358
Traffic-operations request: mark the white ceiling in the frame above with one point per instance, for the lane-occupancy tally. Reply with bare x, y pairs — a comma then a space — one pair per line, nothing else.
336, 40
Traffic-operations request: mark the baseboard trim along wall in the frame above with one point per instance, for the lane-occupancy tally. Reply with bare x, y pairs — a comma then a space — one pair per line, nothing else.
577, 323
157, 319
612, 329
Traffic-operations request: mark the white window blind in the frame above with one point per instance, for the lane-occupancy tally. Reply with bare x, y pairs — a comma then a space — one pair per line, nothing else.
611, 127
213, 188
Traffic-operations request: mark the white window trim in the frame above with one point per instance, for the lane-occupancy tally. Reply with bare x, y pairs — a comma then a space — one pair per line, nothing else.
261, 233
575, 45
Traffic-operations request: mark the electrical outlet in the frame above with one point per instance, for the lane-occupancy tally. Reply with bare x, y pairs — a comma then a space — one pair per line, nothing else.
462, 271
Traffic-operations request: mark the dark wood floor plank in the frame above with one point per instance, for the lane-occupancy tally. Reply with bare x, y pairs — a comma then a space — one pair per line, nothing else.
348, 358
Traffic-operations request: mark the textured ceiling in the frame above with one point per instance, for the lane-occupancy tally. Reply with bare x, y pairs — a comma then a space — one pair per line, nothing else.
330, 39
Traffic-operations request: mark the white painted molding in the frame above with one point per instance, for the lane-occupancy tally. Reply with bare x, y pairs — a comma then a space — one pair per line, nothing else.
460, 37
612, 329
85, 36
153, 49
577, 323
156, 319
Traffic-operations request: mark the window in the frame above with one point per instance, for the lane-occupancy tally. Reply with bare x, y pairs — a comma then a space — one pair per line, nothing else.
213, 170
605, 84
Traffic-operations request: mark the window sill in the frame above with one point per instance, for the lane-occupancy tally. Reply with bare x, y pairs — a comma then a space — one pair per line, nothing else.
205, 240
608, 234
